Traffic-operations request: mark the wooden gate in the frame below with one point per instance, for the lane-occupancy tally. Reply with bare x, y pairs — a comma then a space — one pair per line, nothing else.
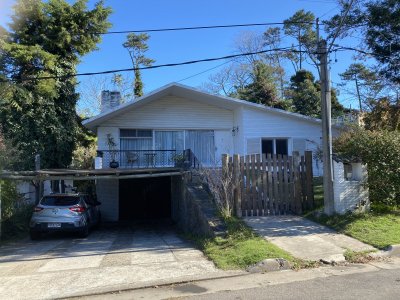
270, 185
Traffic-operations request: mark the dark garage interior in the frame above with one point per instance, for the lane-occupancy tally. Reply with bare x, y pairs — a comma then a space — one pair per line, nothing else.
143, 199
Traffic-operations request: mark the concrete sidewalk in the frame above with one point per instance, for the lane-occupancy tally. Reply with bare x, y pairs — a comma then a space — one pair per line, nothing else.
305, 239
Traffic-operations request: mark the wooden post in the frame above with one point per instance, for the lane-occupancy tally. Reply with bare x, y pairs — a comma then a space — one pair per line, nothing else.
297, 182
271, 197
225, 170
259, 186
249, 211
254, 184
38, 184
285, 184
309, 179
275, 206
0, 210
264, 185
242, 189
237, 189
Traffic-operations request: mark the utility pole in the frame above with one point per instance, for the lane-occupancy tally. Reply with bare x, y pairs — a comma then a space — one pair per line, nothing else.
326, 128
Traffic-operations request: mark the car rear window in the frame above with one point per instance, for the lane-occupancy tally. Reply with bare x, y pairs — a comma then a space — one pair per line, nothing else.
60, 201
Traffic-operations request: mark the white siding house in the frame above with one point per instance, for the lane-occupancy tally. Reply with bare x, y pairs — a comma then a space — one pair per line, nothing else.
177, 117
153, 130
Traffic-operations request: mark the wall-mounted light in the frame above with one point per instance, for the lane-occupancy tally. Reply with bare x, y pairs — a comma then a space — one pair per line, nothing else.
235, 129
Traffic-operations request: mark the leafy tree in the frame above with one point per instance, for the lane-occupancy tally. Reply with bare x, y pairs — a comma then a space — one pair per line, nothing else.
272, 40
262, 89
384, 115
365, 82
46, 39
305, 93
377, 23
136, 44
300, 27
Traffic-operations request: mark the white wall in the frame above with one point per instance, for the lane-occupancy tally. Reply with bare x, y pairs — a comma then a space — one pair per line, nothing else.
349, 195
108, 194
223, 143
259, 124
172, 112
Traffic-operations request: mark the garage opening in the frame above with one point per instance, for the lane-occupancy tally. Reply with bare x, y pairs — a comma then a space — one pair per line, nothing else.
145, 198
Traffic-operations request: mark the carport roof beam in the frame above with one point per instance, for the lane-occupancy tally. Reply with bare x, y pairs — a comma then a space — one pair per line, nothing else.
89, 174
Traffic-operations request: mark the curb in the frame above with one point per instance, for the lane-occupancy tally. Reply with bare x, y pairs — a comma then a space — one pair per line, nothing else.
269, 265
154, 284
392, 250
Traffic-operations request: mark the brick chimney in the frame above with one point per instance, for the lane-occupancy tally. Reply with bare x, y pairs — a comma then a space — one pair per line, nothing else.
110, 100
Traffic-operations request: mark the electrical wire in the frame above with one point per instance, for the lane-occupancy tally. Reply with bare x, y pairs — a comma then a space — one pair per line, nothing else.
205, 71
200, 27
151, 67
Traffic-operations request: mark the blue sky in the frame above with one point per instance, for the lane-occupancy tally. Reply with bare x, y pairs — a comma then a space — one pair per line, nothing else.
171, 47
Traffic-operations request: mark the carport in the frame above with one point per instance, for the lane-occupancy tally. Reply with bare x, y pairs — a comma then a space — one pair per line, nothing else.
125, 194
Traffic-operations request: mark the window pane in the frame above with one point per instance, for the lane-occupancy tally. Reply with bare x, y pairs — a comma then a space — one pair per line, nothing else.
127, 132
144, 133
60, 200
267, 147
169, 140
136, 144
201, 142
281, 147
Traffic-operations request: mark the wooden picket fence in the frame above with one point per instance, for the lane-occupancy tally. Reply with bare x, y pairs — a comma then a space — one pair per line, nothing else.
270, 185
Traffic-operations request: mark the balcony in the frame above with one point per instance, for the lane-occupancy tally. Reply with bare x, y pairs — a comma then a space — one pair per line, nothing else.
147, 159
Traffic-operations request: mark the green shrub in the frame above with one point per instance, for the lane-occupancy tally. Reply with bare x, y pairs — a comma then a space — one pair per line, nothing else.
15, 212
380, 150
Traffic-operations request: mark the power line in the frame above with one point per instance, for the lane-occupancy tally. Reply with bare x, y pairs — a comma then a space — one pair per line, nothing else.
151, 67
201, 27
205, 71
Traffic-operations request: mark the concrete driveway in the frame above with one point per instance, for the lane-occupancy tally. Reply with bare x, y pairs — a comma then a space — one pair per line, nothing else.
114, 258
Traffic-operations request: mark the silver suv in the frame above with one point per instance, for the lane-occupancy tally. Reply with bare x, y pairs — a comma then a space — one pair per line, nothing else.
64, 212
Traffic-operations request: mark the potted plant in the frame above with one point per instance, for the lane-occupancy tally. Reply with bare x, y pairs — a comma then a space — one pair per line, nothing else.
112, 146
180, 160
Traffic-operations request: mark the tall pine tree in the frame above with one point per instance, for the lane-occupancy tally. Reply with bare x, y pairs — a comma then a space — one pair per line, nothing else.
46, 39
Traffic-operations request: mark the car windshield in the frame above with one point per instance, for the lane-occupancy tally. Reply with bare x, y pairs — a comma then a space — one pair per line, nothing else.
60, 200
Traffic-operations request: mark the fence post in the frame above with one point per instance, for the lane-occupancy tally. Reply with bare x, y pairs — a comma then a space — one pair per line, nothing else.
225, 172
297, 182
237, 194
309, 179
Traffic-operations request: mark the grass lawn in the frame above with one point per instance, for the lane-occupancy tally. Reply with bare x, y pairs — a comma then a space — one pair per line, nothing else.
379, 228
240, 248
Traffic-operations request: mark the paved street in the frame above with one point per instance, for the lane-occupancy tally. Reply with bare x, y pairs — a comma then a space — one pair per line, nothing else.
63, 265
383, 284
376, 280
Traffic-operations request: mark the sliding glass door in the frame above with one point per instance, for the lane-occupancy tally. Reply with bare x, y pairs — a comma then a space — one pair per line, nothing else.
201, 142
168, 140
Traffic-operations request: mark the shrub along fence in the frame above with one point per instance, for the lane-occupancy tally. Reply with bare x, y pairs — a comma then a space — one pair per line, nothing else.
270, 185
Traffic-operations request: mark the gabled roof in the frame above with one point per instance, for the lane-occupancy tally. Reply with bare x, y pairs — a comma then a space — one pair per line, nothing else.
184, 91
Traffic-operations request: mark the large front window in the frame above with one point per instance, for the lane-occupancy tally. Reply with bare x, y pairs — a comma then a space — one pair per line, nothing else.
165, 143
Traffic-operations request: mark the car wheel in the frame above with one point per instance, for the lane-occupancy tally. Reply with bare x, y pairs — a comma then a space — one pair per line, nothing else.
35, 235
84, 231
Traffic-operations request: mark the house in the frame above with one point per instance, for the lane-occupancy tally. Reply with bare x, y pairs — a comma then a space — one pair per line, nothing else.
153, 130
